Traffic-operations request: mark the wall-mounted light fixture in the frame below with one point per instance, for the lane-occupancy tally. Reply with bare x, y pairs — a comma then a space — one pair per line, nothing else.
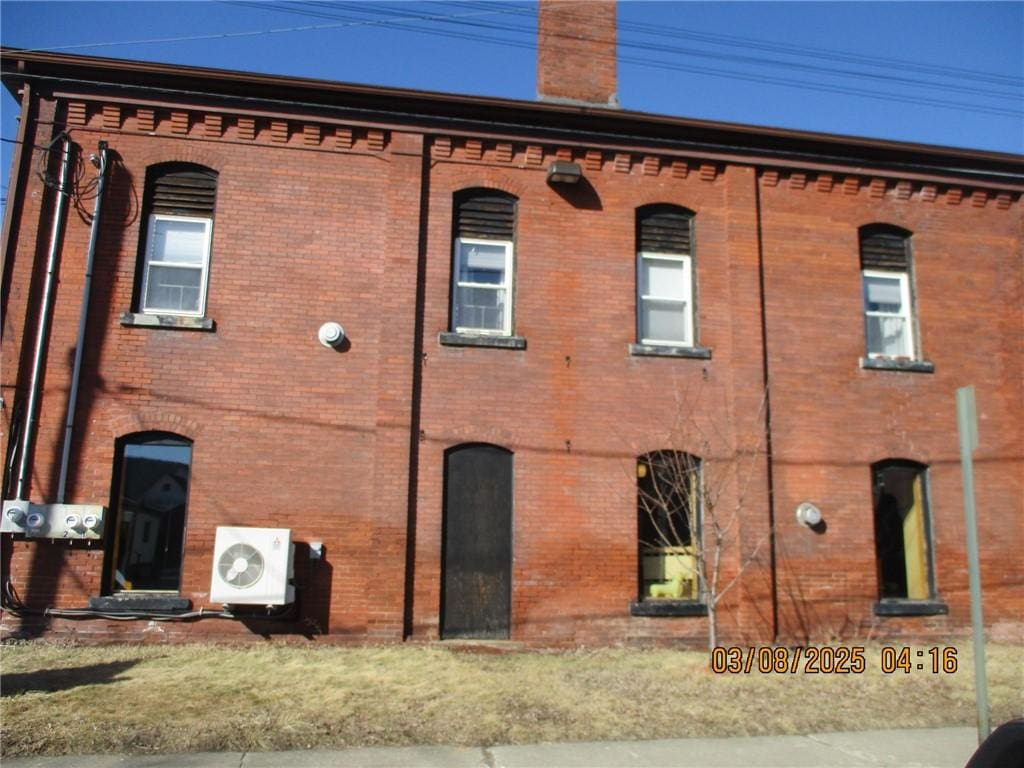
331, 335
562, 172
808, 514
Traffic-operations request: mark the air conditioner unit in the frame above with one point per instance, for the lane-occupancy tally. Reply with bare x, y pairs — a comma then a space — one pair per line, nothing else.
252, 566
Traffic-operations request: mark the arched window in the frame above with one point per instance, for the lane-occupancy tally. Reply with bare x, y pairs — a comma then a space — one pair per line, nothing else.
902, 530
665, 277
886, 273
174, 255
668, 491
152, 472
484, 225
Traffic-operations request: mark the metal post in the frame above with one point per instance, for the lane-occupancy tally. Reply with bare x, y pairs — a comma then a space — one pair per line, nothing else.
967, 421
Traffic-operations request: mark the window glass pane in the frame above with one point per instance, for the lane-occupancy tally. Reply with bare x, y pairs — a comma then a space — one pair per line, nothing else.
151, 525
482, 263
882, 294
887, 336
179, 242
173, 288
901, 537
664, 321
480, 308
667, 507
662, 278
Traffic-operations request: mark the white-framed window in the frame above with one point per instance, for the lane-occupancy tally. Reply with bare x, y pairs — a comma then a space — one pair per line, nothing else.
482, 286
888, 320
665, 299
664, 276
483, 262
176, 265
890, 325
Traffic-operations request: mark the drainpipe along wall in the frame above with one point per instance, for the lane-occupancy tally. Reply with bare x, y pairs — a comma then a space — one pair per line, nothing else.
43, 327
83, 320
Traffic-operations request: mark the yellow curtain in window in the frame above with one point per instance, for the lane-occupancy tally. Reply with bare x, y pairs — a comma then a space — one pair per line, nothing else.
915, 546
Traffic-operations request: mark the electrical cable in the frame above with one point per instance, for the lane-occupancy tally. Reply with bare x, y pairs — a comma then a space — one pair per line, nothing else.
729, 74
673, 32
401, 16
10, 601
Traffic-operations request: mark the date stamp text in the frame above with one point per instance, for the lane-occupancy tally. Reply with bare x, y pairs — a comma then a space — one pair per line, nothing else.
831, 660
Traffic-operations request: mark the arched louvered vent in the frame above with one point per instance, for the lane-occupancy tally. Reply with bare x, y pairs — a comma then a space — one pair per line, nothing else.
485, 214
665, 229
884, 249
184, 192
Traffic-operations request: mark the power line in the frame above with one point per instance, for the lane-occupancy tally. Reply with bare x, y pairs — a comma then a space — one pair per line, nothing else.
826, 54
404, 20
671, 66
225, 35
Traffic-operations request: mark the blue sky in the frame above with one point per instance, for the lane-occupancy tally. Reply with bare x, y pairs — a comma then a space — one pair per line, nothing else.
946, 73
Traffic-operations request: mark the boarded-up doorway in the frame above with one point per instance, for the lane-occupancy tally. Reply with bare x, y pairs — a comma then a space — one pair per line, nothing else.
476, 578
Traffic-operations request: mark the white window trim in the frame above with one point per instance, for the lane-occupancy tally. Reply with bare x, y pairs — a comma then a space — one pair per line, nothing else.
148, 260
506, 329
686, 301
907, 314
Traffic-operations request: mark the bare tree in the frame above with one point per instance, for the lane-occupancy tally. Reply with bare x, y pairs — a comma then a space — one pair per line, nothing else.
691, 496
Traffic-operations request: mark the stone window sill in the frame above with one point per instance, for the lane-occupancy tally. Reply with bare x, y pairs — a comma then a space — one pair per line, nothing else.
452, 339
910, 608
172, 322
897, 364
141, 603
657, 350
667, 608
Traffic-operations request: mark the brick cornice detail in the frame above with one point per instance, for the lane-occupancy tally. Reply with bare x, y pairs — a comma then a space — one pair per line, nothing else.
210, 125
203, 125
887, 188
499, 152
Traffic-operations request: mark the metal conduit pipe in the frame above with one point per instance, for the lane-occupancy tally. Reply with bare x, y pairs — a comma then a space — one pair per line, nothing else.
43, 328
83, 320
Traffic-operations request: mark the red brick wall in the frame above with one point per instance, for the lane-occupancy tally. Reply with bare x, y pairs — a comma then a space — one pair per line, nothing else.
831, 420
574, 407
318, 222
286, 432
576, 53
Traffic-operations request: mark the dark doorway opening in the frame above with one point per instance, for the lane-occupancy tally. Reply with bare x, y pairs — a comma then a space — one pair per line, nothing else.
476, 594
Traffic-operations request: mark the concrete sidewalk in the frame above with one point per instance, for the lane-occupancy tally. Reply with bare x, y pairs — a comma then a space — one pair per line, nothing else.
925, 748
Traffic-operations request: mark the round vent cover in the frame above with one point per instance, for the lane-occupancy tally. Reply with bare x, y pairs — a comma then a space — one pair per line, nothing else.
240, 565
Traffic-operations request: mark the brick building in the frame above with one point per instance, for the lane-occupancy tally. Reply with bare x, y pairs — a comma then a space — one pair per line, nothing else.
576, 340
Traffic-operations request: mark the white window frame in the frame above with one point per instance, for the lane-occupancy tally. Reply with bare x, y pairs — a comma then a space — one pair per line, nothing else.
686, 301
506, 284
148, 261
907, 313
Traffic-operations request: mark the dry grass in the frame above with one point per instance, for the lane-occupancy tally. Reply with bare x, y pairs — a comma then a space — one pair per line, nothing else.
65, 699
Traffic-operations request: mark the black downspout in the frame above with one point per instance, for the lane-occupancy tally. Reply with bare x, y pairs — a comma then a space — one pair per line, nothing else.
415, 415
773, 561
43, 328
83, 320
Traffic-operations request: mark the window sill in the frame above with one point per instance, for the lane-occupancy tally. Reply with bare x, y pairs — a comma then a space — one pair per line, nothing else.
142, 603
174, 322
896, 364
452, 339
657, 350
910, 608
667, 608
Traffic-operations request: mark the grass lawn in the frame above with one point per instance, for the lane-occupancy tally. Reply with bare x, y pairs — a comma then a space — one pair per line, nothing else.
68, 699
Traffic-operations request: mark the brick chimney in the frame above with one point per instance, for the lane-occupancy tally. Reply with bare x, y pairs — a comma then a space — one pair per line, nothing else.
576, 52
